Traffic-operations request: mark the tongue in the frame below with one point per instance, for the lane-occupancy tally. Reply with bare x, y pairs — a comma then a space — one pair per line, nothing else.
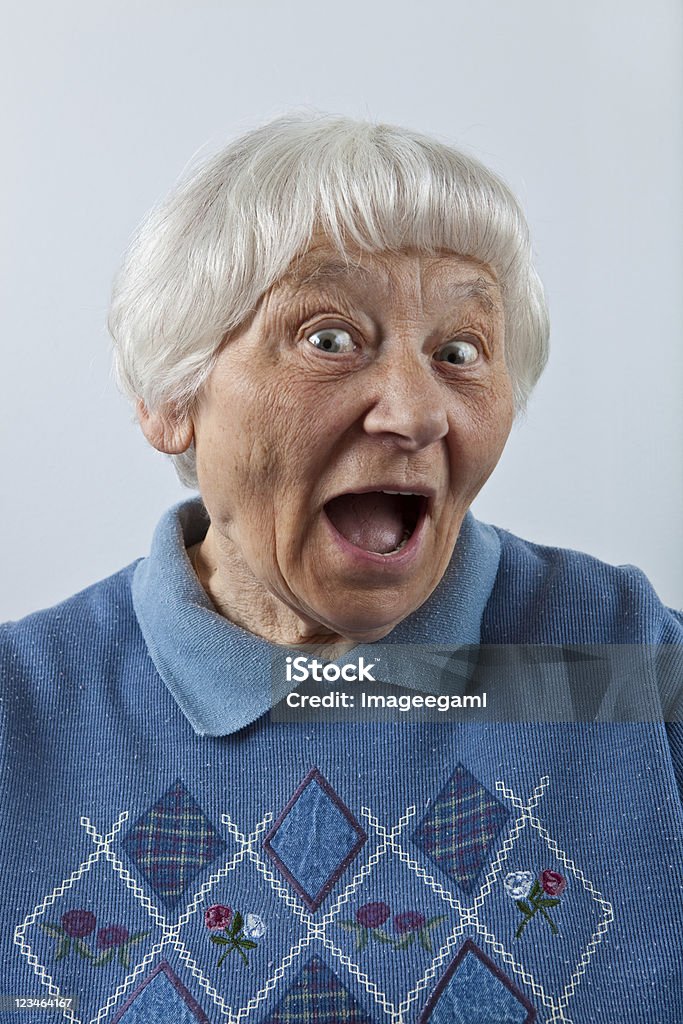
372, 521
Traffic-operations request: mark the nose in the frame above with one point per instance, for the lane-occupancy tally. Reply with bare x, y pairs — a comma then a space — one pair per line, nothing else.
408, 403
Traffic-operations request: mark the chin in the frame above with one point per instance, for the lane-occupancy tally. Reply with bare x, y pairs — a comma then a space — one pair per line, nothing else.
361, 627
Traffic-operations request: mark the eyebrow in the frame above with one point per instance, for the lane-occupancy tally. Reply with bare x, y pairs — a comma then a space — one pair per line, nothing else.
478, 289
308, 271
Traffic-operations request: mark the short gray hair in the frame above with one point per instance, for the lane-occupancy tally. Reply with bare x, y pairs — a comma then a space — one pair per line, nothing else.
203, 258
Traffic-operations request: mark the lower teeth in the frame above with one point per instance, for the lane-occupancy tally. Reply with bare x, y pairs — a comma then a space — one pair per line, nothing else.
386, 554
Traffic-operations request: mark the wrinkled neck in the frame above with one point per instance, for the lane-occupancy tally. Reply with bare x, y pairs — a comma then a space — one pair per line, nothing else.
247, 603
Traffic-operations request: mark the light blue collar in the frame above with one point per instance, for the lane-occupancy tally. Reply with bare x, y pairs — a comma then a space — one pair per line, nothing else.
220, 675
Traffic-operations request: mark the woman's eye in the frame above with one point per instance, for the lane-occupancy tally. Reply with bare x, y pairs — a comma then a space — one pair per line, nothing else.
332, 339
458, 352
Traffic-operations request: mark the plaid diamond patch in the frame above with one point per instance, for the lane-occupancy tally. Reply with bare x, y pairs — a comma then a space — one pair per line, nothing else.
317, 997
459, 828
172, 842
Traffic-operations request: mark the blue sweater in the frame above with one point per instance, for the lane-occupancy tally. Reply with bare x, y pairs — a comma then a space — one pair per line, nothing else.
173, 852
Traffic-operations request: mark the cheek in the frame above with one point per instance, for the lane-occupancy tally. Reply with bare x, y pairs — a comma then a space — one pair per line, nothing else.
243, 434
257, 460
480, 428
307, 424
496, 421
269, 442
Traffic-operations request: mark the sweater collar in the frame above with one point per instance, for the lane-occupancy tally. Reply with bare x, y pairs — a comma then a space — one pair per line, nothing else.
220, 675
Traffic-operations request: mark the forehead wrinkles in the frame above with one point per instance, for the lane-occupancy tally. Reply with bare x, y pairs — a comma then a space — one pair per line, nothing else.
415, 277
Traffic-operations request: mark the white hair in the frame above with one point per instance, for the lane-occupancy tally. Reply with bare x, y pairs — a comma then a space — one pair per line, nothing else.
203, 258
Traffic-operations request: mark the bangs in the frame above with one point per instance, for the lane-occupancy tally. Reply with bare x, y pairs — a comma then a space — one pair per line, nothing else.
381, 189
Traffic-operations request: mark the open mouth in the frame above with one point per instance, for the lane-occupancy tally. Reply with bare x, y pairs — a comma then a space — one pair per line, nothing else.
381, 522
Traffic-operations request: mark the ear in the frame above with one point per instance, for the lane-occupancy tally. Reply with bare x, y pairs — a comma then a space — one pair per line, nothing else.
166, 430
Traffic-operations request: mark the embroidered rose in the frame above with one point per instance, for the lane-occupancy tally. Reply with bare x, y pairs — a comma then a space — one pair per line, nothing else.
112, 943
518, 884
78, 923
113, 935
410, 926
218, 916
552, 882
233, 937
254, 928
535, 896
373, 915
408, 921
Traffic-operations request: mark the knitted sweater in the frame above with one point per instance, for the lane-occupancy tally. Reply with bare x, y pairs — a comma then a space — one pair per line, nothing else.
172, 852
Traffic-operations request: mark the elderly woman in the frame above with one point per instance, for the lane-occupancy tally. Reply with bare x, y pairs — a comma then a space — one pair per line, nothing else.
330, 327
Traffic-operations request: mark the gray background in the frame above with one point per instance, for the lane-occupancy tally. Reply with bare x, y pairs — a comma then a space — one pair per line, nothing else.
579, 106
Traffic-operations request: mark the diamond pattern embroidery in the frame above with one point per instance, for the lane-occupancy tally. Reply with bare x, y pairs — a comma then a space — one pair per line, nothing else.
317, 996
172, 842
460, 827
314, 840
318, 837
475, 991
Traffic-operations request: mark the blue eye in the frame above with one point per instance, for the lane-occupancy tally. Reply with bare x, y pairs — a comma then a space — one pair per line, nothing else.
458, 352
332, 339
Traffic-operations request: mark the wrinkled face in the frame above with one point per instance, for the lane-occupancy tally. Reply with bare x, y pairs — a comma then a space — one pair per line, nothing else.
345, 431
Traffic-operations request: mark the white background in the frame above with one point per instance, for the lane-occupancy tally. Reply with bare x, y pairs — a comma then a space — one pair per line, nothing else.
579, 106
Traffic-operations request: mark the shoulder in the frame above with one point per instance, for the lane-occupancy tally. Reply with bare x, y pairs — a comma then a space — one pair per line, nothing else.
546, 594
82, 631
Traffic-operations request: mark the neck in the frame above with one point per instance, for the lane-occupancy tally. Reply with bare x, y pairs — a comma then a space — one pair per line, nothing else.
239, 597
